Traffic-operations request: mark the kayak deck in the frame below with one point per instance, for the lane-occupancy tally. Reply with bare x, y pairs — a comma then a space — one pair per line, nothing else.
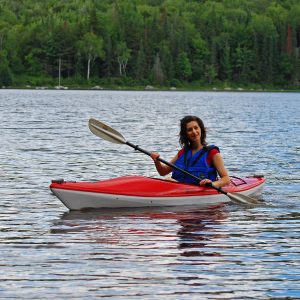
147, 187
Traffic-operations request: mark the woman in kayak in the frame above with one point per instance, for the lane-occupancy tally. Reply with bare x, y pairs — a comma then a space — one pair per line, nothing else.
196, 157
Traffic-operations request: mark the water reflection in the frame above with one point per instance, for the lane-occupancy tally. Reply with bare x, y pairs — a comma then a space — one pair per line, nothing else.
198, 230
191, 229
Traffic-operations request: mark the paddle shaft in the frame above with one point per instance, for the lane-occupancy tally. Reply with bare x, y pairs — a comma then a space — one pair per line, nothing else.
237, 198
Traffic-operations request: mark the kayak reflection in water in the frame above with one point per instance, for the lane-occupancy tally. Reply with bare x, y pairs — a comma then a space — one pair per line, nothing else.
196, 157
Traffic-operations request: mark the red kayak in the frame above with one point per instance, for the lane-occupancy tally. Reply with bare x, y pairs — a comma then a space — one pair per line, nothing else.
140, 191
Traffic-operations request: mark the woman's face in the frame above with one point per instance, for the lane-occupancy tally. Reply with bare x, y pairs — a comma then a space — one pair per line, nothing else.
193, 131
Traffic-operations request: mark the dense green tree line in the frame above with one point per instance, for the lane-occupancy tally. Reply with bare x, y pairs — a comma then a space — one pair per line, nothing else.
139, 42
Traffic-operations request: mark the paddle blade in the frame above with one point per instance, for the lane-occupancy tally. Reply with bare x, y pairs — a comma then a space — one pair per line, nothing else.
105, 132
242, 199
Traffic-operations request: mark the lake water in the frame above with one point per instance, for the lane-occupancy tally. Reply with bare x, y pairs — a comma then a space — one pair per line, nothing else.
232, 252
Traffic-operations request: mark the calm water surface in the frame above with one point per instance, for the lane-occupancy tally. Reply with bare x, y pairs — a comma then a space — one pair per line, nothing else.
164, 253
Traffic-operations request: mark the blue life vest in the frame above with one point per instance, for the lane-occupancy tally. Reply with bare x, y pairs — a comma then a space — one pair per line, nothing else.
195, 164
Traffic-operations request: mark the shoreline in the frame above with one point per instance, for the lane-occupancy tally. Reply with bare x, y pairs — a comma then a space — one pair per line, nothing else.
158, 89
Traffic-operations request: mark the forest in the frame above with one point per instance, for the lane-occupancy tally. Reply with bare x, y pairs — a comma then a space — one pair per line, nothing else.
164, 43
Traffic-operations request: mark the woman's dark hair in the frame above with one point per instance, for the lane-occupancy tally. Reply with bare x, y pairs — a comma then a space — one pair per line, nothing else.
183, 139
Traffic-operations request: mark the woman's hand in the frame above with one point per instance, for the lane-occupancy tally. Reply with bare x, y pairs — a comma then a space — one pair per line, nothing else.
205, 182
154, 156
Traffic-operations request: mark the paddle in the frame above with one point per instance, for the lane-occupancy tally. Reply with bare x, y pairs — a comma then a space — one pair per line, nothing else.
109, 134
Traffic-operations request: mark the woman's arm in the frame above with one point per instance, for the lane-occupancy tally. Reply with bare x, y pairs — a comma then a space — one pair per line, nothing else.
161, 168
219, 165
